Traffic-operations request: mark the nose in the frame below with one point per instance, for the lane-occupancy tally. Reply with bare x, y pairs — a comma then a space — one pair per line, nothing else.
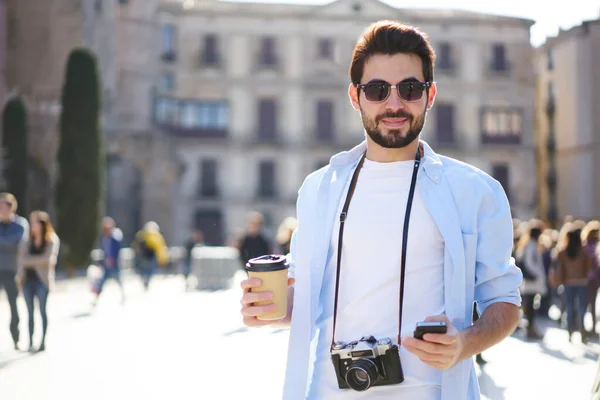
394, 102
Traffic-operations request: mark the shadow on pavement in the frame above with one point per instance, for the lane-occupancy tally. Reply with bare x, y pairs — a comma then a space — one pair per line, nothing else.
488, 387
243, 329
14, 358
81, 315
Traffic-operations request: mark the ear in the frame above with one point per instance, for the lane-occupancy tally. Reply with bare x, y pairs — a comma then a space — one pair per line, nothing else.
353, 95
431, 97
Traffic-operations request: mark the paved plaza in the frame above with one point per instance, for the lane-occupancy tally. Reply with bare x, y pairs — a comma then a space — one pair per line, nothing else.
171, 343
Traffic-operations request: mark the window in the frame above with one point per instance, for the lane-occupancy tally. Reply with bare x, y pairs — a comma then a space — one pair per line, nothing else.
502, 125
266, 179
550, 59
325, 49
267, 119
208, 178
444, 56
167, 81
325, 120
168, 42
268, 57
445, 123
192, 114
499, 62
210, 51
204, 115
500, 172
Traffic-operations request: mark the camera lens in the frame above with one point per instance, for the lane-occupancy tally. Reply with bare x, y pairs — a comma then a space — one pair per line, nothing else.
361, 375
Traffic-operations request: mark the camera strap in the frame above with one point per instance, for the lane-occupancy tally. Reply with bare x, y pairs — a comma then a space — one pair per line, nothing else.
344, 215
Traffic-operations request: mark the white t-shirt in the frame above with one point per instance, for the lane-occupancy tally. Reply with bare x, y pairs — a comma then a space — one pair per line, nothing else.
370, 281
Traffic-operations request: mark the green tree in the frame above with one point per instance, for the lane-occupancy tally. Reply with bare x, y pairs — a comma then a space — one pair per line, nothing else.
81, 159
14, 144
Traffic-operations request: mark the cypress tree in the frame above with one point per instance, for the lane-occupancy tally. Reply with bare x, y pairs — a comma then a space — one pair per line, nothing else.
14, 143
79, 188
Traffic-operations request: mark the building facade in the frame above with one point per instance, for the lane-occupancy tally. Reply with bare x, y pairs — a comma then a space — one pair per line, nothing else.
39, 38
567, 71
255, 98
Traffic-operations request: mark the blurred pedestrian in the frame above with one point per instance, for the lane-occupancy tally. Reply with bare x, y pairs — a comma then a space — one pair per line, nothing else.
590, 236
574, 267
196, 240
253, 243
530, 260
36, 270
14, 232
284, 234
151, 251
111, 242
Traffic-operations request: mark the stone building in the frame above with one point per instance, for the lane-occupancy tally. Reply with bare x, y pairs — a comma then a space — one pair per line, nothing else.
255, 96
567, 70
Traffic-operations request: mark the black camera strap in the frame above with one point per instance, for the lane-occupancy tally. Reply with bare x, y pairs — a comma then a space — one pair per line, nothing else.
343, 217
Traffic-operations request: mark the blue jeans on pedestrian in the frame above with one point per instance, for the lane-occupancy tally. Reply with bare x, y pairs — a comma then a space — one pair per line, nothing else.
147, 268
31, 290
113, 273
576, 299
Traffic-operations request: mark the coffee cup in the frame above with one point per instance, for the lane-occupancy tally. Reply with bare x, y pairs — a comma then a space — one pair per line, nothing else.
272, 270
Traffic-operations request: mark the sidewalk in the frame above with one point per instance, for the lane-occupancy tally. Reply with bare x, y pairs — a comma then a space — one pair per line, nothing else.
169, 343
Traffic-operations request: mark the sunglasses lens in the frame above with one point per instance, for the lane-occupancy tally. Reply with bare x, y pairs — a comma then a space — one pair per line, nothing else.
377, 91
410, 91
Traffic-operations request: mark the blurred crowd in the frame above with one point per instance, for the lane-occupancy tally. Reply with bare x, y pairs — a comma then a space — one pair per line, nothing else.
560, 270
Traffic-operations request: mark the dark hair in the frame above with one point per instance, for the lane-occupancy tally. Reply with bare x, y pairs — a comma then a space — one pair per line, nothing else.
535, 233
47, 230
573, 243
390, 38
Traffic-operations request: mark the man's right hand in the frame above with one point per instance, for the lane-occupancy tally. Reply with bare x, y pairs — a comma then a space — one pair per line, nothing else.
250, 311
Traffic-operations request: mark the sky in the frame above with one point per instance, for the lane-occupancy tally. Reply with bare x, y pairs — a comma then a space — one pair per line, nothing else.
550, 15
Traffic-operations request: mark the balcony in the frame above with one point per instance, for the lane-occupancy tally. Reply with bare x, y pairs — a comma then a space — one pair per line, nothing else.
196, 132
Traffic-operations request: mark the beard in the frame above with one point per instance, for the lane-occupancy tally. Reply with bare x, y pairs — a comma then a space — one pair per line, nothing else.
394, 138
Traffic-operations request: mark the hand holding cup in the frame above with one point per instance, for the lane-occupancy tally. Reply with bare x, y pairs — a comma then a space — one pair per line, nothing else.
264, 300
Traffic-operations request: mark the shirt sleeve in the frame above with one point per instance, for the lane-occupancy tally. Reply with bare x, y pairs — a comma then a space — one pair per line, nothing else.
497, 278
291, 256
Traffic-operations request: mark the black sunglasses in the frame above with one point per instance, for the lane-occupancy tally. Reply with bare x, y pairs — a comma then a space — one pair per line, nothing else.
380, 91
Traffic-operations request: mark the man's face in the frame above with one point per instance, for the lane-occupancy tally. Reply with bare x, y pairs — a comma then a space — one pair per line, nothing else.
5, 210
107, 227
393, 122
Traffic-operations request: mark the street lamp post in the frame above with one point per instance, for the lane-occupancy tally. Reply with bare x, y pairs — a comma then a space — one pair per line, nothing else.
551, 181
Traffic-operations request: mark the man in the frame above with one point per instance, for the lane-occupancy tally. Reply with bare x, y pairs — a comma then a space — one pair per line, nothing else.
253, 244
14, 233
110, 243
457, 249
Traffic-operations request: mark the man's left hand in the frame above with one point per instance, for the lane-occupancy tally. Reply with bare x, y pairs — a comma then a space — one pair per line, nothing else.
439, 350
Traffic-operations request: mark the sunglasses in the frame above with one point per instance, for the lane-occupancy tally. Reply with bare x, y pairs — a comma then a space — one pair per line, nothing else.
408, 91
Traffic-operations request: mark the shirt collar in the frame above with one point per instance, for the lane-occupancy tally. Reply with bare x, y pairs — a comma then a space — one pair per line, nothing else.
431, 162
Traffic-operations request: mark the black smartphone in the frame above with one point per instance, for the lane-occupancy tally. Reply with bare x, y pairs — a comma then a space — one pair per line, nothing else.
429, 327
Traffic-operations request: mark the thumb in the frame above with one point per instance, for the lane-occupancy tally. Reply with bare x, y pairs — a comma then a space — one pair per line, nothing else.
291, 281
437, 318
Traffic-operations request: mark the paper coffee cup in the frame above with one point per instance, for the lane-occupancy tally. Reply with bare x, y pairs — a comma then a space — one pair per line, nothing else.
272, 270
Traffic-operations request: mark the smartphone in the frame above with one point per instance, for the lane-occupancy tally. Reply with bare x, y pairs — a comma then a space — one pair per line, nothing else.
429, 327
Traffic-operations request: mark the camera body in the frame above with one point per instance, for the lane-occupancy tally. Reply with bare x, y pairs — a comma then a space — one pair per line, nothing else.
367, 362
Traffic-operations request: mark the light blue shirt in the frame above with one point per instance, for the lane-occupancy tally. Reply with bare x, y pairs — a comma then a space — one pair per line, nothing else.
473, 215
